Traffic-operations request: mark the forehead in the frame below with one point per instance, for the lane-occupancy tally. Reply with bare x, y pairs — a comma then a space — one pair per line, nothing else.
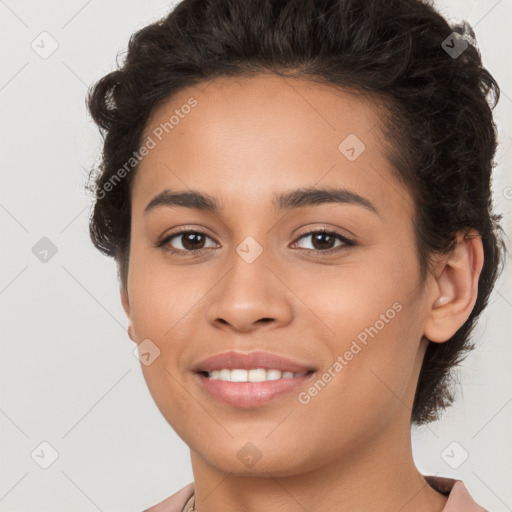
250, 137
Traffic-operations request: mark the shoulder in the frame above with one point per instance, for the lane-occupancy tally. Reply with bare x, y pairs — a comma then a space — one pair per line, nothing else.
174, 503
459, 499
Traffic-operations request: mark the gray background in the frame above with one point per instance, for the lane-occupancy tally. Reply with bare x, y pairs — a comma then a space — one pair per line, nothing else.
68, 373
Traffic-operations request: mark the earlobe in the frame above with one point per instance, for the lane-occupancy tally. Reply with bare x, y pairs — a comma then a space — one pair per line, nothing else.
455, 290
126, 306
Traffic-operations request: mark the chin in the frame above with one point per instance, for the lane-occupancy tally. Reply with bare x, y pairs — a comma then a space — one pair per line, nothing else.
245, 459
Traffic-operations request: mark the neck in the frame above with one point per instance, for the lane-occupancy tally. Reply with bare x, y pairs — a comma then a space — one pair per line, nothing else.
379, 476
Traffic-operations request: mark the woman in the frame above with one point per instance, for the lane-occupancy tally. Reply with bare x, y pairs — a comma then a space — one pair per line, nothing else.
297, 195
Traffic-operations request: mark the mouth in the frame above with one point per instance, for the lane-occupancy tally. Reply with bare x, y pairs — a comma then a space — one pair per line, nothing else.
254, 362
248, 389
247, 380
252, 375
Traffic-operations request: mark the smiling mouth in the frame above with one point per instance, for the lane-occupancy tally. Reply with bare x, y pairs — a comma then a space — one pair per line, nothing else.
252, 375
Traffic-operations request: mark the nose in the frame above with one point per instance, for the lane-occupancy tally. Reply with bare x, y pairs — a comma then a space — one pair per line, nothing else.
250, 294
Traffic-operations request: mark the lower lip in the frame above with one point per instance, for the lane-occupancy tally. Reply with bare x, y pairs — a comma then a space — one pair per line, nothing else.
250, 394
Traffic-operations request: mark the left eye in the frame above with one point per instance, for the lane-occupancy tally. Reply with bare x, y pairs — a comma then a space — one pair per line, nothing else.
322, 240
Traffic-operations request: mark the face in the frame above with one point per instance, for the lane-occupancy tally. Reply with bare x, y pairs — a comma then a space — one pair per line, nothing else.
258, 274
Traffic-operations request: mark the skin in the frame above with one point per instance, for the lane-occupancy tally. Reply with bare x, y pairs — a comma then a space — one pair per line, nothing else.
246, 140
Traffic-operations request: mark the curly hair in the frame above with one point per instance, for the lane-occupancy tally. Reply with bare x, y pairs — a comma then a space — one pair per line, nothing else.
438, 125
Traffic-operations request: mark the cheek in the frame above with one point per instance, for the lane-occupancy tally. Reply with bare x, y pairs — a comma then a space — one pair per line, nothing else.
368, 382
162, 298
374, 319
370, 288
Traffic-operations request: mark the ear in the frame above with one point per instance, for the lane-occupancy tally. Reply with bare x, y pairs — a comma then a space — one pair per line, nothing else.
455, 289
126, 306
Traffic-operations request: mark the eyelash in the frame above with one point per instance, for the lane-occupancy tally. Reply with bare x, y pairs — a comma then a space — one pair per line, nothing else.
179, 252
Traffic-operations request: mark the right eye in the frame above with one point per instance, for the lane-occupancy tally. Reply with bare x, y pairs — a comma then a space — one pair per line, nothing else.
190, 242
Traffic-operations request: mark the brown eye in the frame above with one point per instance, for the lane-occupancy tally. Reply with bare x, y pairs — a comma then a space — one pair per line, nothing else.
186, 241
325, 241
192, 240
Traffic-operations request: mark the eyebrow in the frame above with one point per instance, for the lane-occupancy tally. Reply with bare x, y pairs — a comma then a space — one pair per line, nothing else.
299, 198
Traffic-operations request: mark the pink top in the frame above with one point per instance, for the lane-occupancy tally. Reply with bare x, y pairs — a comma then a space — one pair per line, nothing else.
459, 499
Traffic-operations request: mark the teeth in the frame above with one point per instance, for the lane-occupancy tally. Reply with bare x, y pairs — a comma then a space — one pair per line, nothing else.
255, 375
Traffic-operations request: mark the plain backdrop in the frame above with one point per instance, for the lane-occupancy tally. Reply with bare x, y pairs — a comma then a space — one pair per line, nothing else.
69, 378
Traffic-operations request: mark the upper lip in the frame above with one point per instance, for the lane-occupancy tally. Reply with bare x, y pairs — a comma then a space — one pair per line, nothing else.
248, 361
